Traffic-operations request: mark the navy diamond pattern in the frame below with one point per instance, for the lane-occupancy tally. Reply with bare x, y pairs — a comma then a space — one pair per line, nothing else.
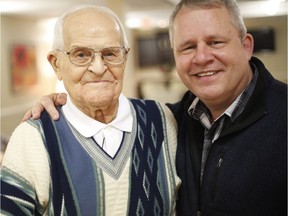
142, 115
147, 182
156, 210
136, 162
146, 185
154, 135
140, 135
150, 160
140, 209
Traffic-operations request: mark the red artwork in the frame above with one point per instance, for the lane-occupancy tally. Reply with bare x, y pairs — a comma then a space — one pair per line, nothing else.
24, 71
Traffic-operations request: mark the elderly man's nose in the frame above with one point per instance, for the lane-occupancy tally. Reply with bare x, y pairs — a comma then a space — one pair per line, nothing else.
97, 65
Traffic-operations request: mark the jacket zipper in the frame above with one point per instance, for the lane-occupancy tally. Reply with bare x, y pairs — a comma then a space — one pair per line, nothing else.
218, 166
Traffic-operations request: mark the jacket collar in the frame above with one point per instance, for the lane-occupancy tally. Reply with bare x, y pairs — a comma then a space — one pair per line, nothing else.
256, 105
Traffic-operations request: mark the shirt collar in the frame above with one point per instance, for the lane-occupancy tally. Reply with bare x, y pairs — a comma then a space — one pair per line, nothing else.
88, 126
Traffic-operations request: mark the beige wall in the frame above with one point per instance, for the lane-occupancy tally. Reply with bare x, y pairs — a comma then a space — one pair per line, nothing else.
276, 61
14, 104
14, 30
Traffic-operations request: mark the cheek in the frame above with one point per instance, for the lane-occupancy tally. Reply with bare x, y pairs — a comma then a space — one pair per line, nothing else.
182, 65
119, 83
118, 74
71, 76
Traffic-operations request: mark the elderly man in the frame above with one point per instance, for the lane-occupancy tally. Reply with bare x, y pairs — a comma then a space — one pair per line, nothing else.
106, 155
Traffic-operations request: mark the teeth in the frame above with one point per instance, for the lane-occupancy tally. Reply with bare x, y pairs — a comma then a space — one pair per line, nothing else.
206, 74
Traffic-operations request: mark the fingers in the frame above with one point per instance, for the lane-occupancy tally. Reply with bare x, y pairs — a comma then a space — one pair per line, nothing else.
27, 115
48, 103
61, 99
33, 113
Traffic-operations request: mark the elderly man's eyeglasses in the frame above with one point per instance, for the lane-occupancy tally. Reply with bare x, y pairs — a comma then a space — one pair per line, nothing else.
82, 56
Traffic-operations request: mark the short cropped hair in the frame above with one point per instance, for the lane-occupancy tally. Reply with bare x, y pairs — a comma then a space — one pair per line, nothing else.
231, 6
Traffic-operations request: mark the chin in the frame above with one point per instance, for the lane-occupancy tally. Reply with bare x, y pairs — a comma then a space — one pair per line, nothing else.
211, 94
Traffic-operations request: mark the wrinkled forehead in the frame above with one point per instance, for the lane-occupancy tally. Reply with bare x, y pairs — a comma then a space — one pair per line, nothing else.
89, 17
91, 23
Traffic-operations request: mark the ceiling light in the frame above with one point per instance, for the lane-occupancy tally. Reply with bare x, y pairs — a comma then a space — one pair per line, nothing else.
13, 6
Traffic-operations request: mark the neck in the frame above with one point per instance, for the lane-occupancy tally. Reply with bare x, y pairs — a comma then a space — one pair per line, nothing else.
104, 114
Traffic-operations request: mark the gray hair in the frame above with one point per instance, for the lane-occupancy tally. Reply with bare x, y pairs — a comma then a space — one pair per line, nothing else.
58, 42
231, 6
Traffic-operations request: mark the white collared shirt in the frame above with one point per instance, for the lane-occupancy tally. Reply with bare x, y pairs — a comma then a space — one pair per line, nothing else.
89, 127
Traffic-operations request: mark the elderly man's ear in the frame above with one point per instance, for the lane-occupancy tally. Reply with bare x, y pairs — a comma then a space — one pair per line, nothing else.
54, 62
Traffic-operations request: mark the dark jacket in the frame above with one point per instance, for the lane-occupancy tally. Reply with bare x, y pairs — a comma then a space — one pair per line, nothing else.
246, 170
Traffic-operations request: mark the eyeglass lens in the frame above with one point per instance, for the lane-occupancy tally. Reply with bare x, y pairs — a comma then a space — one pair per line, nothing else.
82, 56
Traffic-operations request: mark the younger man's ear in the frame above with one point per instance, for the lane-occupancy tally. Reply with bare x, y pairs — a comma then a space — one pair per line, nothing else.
248, 44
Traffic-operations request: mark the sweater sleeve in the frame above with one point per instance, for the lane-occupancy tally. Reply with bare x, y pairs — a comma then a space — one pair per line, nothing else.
171, 136
171, 126
25, 173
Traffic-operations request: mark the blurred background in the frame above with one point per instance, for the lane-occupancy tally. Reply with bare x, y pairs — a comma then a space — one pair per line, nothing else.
27, 32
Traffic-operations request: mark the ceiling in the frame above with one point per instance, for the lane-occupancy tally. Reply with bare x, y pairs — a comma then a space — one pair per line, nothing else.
153, 10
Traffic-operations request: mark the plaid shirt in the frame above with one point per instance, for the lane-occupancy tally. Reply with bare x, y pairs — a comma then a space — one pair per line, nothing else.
213, 128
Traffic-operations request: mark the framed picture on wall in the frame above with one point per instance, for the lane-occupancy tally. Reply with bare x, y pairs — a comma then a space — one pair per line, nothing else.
23, 67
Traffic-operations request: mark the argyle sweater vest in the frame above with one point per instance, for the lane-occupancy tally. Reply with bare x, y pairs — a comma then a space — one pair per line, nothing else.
77, 190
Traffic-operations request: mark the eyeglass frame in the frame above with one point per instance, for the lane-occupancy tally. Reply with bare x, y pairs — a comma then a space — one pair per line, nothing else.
99, 51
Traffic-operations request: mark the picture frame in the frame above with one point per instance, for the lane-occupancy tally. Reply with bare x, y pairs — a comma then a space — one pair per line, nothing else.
23, 67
